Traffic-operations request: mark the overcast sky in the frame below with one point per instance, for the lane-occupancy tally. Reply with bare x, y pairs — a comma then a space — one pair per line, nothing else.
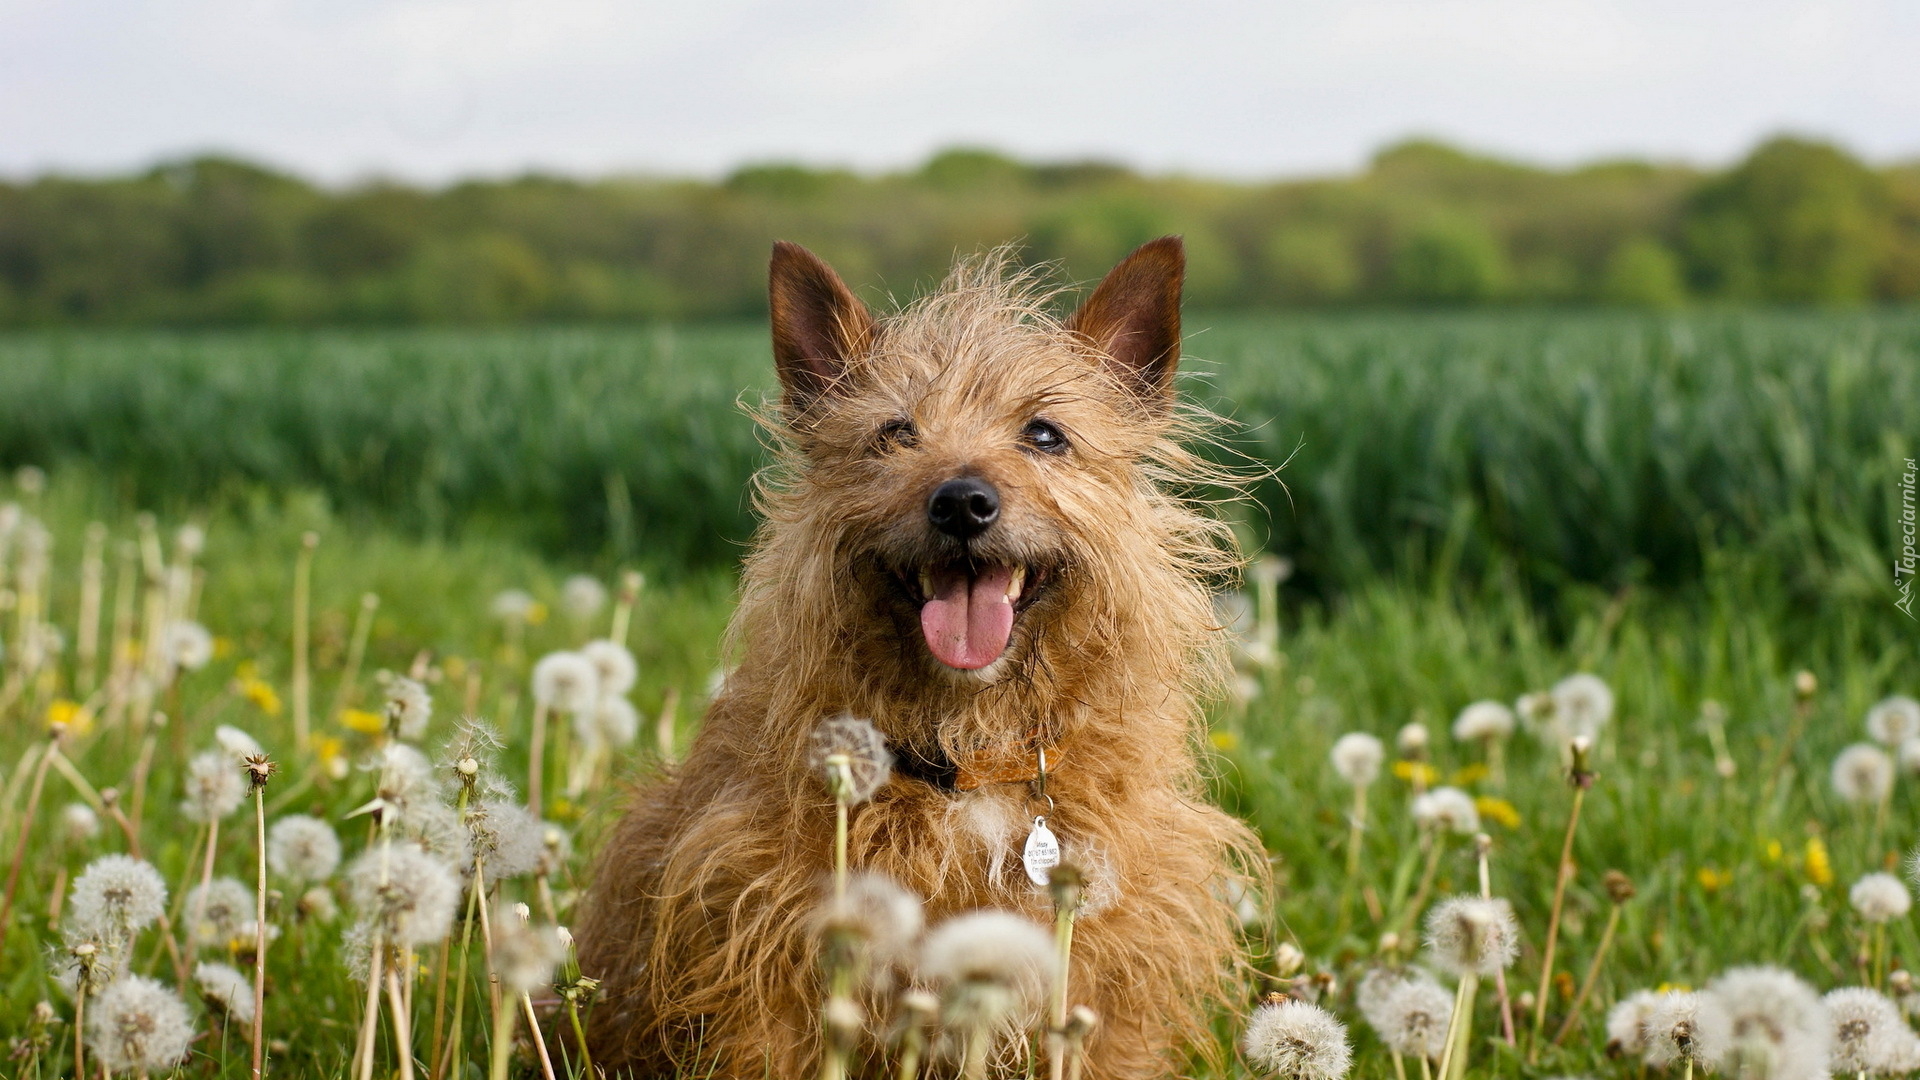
431, 89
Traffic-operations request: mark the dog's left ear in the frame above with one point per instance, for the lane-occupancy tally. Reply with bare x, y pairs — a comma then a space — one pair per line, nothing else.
1133, 318
818, 324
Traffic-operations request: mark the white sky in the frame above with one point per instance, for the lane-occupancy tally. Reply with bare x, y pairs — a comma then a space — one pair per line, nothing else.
430, 89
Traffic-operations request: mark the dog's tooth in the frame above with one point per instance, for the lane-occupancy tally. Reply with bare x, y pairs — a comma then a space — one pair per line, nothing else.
926, 584
1016, 583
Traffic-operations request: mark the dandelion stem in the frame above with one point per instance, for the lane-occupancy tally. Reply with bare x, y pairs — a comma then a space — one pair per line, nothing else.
1057, 1034
80, 1025
402, 1029
1592, 977
1563, 873
302, 616
503, 1016
26, 829
1356, 831
536, 763
1437, 842
260, 930
580, 1037
539, 1040
356, 655
1462, 1018
1426, 1068
1400, 1068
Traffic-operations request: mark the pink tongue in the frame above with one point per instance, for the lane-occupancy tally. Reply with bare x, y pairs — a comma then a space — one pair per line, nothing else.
968, 620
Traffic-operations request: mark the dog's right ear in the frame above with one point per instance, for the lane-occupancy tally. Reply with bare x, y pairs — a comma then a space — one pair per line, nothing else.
818, 324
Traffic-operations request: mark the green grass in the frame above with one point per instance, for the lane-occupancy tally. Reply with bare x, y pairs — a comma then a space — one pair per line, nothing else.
1547, 448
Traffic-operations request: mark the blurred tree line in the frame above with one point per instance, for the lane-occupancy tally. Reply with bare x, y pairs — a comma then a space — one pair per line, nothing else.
220, 241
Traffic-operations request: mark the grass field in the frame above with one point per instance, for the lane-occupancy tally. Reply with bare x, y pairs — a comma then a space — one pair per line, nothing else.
1693, 510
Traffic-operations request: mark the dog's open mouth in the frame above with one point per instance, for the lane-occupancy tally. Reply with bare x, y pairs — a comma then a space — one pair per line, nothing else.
967, 609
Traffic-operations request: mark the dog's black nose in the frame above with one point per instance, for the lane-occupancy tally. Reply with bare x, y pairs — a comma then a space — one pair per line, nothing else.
963, 507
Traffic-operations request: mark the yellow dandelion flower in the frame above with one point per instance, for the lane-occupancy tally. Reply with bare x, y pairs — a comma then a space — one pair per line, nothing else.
455, 668
1225, 740
1712, 880
1497, 810
364, 722
562, 809
536, 613
332, 753
1816, 862
261, 693
78, 721
1470, 775
1673, 988
1407, 770
1775, 852
222, 648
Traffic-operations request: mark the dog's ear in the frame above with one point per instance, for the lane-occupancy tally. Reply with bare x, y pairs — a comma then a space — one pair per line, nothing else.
1133, 318
818, 324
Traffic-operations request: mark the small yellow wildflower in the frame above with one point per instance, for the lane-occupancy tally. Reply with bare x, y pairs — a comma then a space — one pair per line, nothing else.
536, 613
1818, 865
77, 720
1407, 770
332, 753
1775, 852
455, 668
1497, 810
1225, 740
562, 809
261, 693
364, 722
1470, 775
1713, 880
1673, 988
222, 648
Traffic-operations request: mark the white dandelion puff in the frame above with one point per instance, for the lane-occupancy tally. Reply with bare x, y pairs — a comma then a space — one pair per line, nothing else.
1472, 934
409, 707
79, 825
1867, 1030
1414, 1018
137, 1025
1448, 809
1778, 1026
883, 916
1582, 705
851, 751
1482, 721
1357, 757
1880, 898
1627, 1023
1894, 720
216, 910
524, 954
507, 836
237, 743
1863, 773
1298, 1041
582, 596
115, 897
215, 787
303, 849
565, 682
989, 965
613, 664
512, 605
614, 722
228, 989
1412, 740
317, 905
409, 893
1685, 1026
188, 645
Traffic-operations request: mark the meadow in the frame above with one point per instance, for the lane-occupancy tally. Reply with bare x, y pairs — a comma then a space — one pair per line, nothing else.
1694, 509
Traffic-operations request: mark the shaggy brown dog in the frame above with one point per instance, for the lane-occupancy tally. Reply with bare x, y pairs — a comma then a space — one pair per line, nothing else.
974, 537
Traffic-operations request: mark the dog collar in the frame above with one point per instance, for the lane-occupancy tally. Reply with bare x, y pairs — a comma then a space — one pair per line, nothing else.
1026, 762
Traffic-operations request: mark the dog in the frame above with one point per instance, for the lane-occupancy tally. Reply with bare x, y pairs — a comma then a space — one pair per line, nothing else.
976, 534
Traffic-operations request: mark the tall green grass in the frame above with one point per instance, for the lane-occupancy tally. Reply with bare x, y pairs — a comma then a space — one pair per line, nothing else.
1544, 449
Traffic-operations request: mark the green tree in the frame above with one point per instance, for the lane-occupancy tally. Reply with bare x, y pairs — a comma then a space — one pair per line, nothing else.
1449, 260
1643, 273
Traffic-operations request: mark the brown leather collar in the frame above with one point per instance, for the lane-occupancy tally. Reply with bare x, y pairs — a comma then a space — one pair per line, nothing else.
1011, 763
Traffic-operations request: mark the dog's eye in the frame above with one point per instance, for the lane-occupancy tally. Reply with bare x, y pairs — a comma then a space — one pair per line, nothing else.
895, 433
1044, 436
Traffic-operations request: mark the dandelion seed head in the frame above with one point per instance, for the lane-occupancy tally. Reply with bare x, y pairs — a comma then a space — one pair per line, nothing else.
512, 605
225, 987
1880, 898
136, 1025
317, 905
565, 682
1471, 934
524, 954
1867, 1029
1414, 1018
1582, 705
215, 911
507, 836
356, 950
1863, 773
1535, 713
1894, 720
412, 898
615, 722
1298, 1041
1909, 757
1682, 1025
582, 596
406, 779
868, 763
886, 918
1412, 740
303, 849
1448, 809
188, 645
1627, 1023
989, 965
409, 707
236, 742
1778, 1027
1357, 757
439, 831
613, 664
556, 847
115, 897
79, 825
1376, 986
1482, 721
215, 787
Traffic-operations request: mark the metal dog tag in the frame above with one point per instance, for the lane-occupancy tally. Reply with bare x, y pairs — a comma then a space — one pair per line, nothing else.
1042, 852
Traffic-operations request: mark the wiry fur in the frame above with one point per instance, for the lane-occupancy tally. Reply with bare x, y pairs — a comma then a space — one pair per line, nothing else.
698, 919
